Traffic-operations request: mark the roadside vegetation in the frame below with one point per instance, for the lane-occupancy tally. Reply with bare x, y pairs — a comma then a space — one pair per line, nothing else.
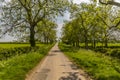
96, 64
22, 60
91, 38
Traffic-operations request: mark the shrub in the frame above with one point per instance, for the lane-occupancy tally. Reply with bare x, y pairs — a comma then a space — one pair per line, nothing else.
6, 53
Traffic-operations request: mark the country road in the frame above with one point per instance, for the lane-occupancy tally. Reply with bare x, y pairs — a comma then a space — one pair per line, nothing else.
56, 66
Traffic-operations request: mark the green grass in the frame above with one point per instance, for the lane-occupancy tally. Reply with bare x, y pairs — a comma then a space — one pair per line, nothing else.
98, 66
12, 45
100, 44
17, 67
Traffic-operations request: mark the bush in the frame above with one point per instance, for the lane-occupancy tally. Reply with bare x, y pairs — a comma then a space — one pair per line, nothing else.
115, 53
102, 50
6, 53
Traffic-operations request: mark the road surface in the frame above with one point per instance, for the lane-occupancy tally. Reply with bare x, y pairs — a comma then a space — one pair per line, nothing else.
56, 66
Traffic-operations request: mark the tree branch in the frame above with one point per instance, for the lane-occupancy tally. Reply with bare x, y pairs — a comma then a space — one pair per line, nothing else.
112, 2
103, 20
117, 24
23, 5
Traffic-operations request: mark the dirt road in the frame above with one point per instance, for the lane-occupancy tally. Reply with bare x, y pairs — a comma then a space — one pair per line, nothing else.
56, 66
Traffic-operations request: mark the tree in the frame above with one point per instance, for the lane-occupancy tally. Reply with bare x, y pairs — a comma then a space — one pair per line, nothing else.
84, 14
29, 13
110, 2
46, 31
71, 33
91, 23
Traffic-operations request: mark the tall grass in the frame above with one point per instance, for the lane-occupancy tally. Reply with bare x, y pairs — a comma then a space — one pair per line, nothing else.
98, 66
18, 66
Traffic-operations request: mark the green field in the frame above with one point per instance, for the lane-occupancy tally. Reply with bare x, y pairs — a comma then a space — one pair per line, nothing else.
97, 65
100, 44
17, 66
12, 45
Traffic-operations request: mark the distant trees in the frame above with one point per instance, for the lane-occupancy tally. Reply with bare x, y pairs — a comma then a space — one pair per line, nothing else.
46, 31
91, 23
26, 14
71, 33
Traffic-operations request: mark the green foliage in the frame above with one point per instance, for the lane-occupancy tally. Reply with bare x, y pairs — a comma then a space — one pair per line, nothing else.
91, 23
17, 67
99, 66
10, 50
7, 53
46, 31
22, 16
115, 53
109, 52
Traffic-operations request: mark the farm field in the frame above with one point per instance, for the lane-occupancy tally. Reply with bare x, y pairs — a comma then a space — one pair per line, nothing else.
21, 60
97, 65
12, 45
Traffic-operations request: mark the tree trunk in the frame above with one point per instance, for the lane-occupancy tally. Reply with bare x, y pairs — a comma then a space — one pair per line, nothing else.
73, 43
32, 36
86, 41
77, 44
94, 44
106, 43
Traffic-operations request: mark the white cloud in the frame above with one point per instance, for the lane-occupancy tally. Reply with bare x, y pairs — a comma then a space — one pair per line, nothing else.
7, 38
79, 1
117, 0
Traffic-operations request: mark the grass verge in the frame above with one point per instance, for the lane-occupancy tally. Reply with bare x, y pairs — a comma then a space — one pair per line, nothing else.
98, 66
18, 66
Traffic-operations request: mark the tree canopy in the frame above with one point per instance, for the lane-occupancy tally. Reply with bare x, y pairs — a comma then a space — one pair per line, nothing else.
25, 14
91, 23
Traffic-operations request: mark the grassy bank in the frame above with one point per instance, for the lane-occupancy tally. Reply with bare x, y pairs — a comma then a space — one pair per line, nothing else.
17, 67
98, 66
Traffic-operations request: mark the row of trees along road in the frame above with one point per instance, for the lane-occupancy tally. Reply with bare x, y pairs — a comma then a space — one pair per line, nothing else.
27, 14
91, 23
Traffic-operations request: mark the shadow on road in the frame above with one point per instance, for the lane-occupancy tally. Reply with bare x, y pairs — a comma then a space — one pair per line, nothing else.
71, 76
74, 67
42, 75
56, 51
51, 54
